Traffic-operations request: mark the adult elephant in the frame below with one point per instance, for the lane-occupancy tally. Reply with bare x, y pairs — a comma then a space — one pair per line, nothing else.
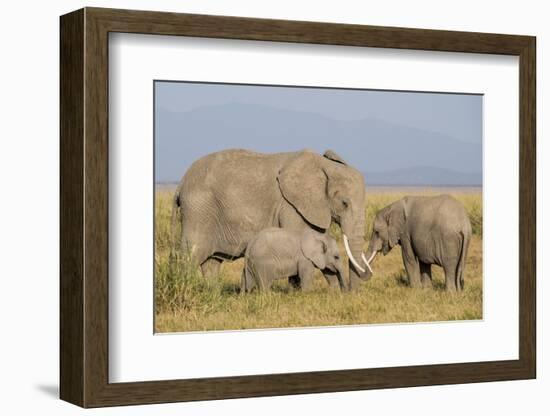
226, 198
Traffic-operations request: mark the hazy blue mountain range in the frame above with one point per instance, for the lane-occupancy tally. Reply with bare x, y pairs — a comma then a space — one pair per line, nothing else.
421, 176
387, 153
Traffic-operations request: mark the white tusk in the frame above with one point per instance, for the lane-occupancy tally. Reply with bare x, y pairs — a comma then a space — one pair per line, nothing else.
366, 262
372, 257
348, 252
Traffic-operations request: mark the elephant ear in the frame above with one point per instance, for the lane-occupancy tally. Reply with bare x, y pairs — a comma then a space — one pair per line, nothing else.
329, 154
396, 217
315, 249
303, 184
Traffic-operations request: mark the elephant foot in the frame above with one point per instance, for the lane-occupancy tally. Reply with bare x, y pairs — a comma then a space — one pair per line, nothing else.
415, 284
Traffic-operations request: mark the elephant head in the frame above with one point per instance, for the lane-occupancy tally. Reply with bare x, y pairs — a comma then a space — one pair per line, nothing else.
324, 189
387, 229
323, 252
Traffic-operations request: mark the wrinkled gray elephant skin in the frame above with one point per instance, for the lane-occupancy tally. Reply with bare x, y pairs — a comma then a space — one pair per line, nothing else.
430, 230
277, 253
228, 197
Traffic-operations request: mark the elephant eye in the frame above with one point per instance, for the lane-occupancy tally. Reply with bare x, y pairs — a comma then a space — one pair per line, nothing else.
345, 203
337, 257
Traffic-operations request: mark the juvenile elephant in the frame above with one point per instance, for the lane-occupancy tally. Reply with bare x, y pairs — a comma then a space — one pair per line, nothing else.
430, 230
276, 253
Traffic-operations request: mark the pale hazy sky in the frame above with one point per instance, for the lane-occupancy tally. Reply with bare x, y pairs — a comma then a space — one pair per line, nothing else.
194, 116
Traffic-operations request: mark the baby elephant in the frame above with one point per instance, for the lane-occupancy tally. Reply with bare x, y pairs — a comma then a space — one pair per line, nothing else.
430, 230
276, 253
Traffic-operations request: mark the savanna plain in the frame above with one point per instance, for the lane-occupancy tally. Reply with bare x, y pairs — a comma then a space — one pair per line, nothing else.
185, 301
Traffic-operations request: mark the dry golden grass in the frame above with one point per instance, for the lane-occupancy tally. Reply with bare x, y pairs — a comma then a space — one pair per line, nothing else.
186, 302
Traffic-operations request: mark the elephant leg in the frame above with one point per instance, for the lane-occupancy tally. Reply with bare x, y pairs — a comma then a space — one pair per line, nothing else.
198, 254
248, 282
412, 265
307, 282
262, 278
450, 276
243, 282
451, 261
413, 272
426, 274
263, 284
258, 276
305, 271
211, 268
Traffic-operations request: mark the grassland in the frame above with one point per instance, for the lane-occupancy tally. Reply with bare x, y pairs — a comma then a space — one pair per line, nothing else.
184, 301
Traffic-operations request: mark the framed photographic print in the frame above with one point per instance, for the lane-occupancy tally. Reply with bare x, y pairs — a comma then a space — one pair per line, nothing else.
255, 207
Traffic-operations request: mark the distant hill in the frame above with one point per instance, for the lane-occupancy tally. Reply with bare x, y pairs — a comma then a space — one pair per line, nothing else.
378, 147
422, 176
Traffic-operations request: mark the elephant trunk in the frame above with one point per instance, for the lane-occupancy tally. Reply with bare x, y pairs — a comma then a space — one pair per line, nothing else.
340, 276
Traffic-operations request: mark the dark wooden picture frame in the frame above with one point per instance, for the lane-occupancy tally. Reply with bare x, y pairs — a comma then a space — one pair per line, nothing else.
84, 207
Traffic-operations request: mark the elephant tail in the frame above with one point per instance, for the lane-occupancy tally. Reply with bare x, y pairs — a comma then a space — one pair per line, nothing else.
176, 204
462, 260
